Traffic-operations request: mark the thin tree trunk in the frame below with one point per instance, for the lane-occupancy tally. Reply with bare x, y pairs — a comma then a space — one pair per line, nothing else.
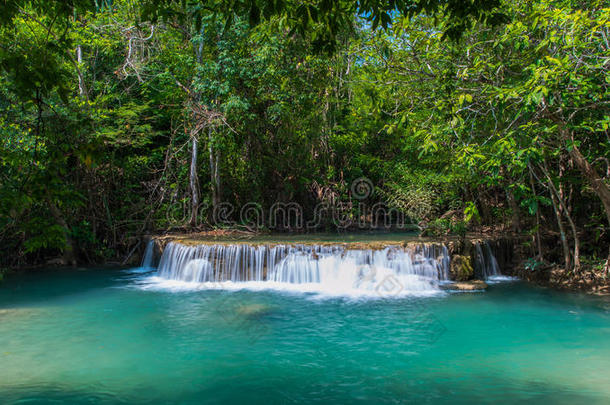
211, 153
561, 187
68, 253
568, 217
486, 217
193, 184
514, 208
537, 236
81, 80
193, 174
217, 177
564, 240
593, 178
214, 173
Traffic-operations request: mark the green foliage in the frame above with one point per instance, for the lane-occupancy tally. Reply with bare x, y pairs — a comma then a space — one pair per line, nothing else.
533, 265
471, 212
324, 21
446, 226
100, 104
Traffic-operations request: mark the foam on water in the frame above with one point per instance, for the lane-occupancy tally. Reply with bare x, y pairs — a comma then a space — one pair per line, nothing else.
155, 283
500, 279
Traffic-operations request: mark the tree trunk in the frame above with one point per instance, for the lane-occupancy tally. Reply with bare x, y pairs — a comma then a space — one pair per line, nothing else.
514, 208
486, 217
564, 209
562, 233
82, 87
81, 80
217, 177
194, 184
593, 178
68, 253
214, 172
537, 240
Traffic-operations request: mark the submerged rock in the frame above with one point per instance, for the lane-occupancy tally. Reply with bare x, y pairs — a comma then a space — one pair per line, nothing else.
254, 310
466, 285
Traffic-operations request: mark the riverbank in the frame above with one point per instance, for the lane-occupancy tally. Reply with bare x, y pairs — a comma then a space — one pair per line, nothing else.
589, 279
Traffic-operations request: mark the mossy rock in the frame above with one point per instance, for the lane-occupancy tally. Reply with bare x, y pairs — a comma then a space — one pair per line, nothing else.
461, 268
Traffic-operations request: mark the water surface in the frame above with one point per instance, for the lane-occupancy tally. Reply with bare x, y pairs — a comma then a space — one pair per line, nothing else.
100, 336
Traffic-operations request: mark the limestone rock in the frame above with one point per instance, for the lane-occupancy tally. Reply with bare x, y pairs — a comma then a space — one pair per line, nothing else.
461, 268
466, 285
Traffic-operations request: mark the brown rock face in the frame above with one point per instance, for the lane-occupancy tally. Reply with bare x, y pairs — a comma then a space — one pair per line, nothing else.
461, 268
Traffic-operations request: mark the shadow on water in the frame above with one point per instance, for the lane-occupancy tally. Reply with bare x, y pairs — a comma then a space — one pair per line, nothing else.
33, 287
284, 386
511, 294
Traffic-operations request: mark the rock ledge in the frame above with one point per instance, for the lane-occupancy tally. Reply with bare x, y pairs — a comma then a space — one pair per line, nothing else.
466, 285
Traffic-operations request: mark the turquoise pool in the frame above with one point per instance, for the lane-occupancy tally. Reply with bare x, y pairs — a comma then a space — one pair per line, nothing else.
106, 336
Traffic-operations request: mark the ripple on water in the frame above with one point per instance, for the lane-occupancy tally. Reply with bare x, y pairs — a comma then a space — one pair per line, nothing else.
142, 344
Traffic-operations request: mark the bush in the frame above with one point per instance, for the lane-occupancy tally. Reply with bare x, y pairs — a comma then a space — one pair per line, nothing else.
445, 226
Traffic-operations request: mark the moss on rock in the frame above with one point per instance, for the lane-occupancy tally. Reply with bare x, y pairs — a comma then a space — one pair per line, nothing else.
461, 268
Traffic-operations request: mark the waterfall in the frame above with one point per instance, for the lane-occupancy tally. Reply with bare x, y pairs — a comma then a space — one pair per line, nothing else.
149, 255
486, 264
333, 269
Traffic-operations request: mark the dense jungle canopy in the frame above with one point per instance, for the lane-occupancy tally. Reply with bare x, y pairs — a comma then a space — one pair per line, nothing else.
121, 118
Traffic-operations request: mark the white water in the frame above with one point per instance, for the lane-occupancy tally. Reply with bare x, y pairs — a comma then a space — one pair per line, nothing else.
485, 262
500, 279
149, 255
328, 270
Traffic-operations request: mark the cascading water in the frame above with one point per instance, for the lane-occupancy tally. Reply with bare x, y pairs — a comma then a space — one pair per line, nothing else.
149, 255
333, 269
485, 261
